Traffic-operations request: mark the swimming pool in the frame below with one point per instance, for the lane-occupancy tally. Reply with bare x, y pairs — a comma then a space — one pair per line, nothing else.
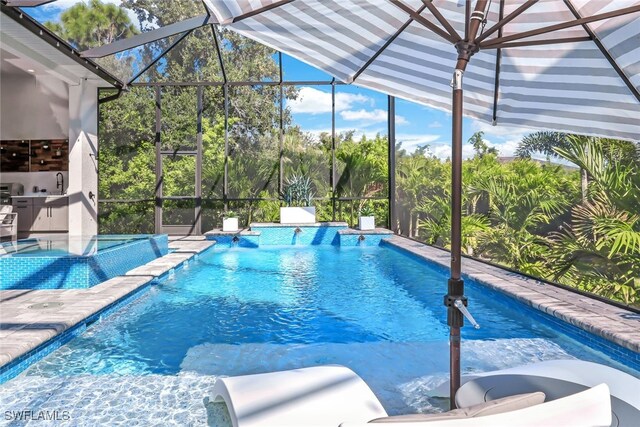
68, 262
238, 311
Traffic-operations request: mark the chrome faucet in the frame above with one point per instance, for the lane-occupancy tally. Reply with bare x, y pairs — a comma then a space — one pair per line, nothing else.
60, 182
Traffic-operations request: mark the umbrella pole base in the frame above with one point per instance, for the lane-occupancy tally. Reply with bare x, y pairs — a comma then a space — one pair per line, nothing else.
454, 365
455, 320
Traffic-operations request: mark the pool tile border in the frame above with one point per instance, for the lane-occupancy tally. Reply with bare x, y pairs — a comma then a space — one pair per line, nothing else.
138, 281
610, 327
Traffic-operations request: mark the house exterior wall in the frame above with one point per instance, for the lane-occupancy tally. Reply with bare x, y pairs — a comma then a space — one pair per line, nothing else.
83, 163
33, 107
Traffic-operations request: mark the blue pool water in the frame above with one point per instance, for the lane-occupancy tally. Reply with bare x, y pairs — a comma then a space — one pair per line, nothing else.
67, 246
239, 311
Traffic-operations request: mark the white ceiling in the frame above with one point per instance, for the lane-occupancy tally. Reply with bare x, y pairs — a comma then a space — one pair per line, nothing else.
23, 50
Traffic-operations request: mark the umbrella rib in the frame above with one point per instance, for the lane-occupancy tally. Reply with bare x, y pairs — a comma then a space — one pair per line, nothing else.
260, 10
604, 51
525, 43
385, 46
505, 20
425, 22
561, 26
443, 21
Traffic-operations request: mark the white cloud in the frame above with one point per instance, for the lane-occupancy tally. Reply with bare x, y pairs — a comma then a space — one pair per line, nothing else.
502, 131
401, 120
435, 124
505, 149
357, 135
443, 151
372, 116
375, 116
412, 141
314, 101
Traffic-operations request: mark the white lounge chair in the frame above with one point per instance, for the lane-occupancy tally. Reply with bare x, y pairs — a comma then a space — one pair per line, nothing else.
335, 396
557, 379
318, 396
8, 222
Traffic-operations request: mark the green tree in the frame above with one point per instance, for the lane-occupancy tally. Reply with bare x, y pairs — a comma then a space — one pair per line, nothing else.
546, 143
480, 146
92, 24
523, 199
599, 250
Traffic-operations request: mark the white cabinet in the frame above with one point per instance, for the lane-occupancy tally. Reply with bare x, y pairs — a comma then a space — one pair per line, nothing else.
50, 214
59, 209
23, 206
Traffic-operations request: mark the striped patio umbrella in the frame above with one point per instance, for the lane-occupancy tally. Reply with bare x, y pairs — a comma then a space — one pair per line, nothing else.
565, 65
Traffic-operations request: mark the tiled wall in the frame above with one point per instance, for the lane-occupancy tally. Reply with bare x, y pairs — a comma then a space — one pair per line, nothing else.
78, 272
355, 240
275, 235
226, 241
309, 235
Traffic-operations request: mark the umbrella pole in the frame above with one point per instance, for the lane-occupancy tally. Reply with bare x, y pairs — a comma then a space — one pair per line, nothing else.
455, 299
455, 284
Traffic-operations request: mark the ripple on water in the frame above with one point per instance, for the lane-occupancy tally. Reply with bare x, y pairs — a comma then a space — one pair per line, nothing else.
105, 400
400, 374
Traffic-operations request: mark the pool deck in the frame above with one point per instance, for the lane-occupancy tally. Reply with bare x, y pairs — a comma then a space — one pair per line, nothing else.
23, 329
599, 318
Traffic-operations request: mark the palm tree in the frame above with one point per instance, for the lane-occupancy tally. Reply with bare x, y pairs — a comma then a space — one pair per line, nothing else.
435, 228
599, 250
523, 199
546, 142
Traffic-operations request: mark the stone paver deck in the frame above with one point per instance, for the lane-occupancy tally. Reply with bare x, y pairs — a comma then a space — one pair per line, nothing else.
605, 320
24, 327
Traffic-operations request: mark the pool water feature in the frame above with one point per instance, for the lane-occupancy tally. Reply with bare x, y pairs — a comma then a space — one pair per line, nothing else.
68, 262
240, 311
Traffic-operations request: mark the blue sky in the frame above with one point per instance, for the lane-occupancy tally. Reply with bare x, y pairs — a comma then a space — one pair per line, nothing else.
359, 109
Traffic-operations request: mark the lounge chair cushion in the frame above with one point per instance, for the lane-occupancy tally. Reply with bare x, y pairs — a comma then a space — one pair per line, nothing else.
498, 406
